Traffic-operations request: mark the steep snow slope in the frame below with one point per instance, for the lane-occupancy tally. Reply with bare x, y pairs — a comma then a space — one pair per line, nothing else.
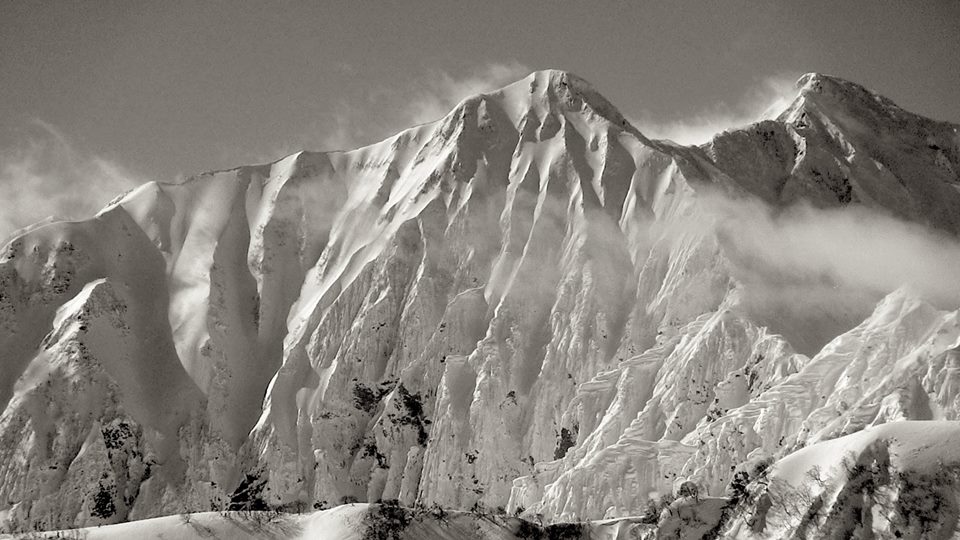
526, 304
104, 396
896, 480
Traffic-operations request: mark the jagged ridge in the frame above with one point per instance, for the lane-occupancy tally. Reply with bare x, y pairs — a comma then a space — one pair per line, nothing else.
522, 305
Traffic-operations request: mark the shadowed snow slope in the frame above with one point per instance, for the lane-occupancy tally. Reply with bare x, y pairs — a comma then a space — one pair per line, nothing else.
525, 305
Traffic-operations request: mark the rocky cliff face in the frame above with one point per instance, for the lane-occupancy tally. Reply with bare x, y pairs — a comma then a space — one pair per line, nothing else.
526, 304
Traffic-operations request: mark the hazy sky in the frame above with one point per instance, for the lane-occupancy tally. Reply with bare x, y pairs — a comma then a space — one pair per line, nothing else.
101, 93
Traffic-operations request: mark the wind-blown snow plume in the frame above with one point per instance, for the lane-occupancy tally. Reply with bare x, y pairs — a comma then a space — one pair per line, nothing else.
440, 91
48, 175
385, 111
766, 99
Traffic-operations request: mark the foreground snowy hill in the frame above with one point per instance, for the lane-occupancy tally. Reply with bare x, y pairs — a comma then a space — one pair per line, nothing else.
525, 308
354, 522
896, 480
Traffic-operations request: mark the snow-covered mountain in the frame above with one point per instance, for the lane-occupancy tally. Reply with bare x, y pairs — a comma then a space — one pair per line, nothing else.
526, 307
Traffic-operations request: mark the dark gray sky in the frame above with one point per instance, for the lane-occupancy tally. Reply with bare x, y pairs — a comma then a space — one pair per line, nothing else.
98, 94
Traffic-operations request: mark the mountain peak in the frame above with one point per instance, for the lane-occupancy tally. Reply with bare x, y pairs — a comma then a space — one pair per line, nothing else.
555, 90
559, 79
832, 92
817, 82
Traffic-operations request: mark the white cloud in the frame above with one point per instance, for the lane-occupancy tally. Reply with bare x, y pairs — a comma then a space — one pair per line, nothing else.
811, 273
47, 175
849, 247
766, 99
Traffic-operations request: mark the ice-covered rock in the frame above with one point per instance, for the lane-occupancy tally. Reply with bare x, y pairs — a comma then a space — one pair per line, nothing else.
526, 305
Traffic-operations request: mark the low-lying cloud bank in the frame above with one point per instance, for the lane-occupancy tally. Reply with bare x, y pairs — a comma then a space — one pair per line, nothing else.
46, 175
811, 272
852, 246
